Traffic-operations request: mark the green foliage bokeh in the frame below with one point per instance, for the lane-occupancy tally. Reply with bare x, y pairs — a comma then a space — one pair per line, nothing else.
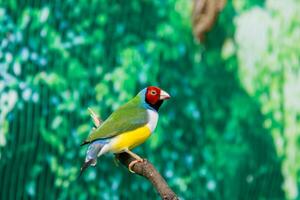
57, 58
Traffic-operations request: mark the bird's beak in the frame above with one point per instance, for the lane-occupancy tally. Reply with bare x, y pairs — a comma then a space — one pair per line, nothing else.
164, 95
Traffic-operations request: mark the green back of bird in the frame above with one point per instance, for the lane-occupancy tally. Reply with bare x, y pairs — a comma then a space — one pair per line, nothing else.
128, 117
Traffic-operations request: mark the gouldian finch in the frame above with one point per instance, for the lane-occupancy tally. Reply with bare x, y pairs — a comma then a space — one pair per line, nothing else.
129, 126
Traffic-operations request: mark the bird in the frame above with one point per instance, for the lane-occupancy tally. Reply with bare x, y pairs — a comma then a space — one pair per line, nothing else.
126, 128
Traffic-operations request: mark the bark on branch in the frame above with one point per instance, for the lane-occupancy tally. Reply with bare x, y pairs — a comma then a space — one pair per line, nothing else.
204, 16
147, 170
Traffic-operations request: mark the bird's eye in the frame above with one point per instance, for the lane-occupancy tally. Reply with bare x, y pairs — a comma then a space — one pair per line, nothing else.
153, 92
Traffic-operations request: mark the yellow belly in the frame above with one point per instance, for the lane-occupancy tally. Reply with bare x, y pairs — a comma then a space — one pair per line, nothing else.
129, 140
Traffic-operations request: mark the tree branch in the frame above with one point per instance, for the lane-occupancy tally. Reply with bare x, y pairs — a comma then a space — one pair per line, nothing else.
204, 16
147, 170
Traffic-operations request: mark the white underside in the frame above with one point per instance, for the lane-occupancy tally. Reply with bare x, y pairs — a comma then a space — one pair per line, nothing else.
153, 118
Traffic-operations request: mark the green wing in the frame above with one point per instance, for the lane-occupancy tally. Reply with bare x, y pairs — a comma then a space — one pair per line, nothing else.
128, 117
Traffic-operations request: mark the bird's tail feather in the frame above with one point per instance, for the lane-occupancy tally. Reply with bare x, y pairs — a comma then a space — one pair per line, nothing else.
92, 154
84, 143
85, 166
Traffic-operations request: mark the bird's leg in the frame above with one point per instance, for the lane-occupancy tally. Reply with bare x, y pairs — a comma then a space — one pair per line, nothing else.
137, 159
96, 119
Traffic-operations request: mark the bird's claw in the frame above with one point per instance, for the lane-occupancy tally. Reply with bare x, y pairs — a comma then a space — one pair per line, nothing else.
132, 163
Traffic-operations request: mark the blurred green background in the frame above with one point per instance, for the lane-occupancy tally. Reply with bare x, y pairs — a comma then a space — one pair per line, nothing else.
231, 130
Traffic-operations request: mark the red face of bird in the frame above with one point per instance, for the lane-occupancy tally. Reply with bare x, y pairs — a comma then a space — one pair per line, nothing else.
155, 95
